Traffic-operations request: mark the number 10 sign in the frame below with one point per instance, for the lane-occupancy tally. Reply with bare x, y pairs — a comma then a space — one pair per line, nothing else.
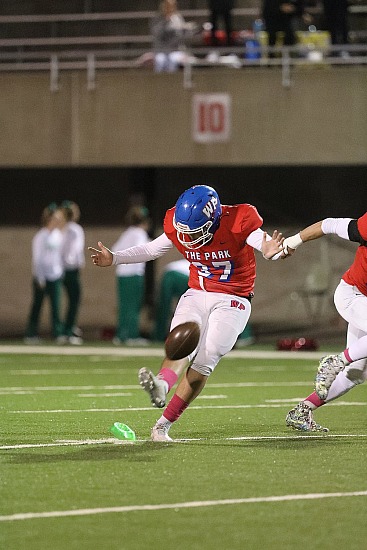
211, 117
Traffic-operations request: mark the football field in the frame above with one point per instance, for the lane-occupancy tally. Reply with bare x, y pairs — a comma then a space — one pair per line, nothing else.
235, 478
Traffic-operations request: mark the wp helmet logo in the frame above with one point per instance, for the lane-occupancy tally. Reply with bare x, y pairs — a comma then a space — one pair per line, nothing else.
210, 207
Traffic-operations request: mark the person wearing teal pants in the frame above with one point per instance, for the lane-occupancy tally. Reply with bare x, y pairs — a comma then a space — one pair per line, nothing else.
130, 278
73, 261
52, 289
173, 284
130, 293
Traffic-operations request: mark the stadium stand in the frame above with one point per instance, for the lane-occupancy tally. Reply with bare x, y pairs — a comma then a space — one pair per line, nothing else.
109, 33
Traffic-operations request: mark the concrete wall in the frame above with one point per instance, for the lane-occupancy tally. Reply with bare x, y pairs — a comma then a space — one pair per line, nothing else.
277, 304
135, 117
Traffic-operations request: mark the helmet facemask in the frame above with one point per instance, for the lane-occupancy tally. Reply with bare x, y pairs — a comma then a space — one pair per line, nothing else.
193, 238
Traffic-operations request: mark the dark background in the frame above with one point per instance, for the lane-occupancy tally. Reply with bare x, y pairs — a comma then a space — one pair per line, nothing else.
283, 195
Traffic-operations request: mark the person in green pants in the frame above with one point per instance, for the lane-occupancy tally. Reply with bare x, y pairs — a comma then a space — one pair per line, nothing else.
130, 278
173, 284
47, 272
73, 261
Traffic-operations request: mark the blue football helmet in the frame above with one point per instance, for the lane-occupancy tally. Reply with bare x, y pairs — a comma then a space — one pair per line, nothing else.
197, 216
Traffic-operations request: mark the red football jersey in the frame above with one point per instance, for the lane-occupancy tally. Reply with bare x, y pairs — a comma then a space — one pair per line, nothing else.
356, 275
226, 264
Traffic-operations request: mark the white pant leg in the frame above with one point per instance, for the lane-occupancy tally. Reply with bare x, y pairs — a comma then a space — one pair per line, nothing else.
222, 318
167, 62
160, 62
174, 60
351, 304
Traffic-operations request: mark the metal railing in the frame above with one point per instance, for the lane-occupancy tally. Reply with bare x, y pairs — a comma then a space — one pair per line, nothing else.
285, 58
114, 16
91, 61
93, 53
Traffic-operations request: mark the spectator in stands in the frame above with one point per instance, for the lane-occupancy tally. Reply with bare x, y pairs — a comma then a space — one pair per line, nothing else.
130, 278
173, 284
221, 9
282, 16
336, 20
73, 261
168, 28
47, 271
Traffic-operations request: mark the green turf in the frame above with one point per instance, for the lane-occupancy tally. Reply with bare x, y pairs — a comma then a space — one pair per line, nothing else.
70, 400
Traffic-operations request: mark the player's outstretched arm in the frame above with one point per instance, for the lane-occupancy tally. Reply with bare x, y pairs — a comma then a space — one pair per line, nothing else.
102, 257
310, 233
273, 246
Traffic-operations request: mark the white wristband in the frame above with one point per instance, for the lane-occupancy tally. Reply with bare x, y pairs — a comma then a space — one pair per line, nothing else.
292, 242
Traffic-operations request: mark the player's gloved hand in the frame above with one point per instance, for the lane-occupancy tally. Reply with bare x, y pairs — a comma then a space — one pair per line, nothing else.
102, 257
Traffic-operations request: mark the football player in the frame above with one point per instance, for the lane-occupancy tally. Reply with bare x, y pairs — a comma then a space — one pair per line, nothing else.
337, 374
219, 242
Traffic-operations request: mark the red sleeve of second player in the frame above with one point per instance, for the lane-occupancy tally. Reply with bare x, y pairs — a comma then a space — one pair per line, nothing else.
362, 226
249, 219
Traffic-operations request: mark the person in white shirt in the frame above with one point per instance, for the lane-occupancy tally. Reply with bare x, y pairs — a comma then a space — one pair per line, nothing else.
130, 278
168, 28
47, 271
73, 261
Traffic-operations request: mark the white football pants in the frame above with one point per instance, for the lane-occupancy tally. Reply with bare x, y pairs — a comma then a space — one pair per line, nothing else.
351, 304
221, 317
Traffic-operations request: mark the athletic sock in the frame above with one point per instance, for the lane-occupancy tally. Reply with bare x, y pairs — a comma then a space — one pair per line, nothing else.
313, 401
174, 409
345, 357
356, 351
162, 421
168, 376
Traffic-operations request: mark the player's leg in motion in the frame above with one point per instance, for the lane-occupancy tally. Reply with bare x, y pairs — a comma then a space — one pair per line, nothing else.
329, 368
352, 374
188, 389
337, 374
158, 386
301, 417
353, 357
219, 335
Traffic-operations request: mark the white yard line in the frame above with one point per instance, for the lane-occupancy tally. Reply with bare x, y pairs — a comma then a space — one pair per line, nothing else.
60, 444
153, 352
178, 505
137, 387
115, 371
72, 388
192, 408
71, 372
117, 394
111, 440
